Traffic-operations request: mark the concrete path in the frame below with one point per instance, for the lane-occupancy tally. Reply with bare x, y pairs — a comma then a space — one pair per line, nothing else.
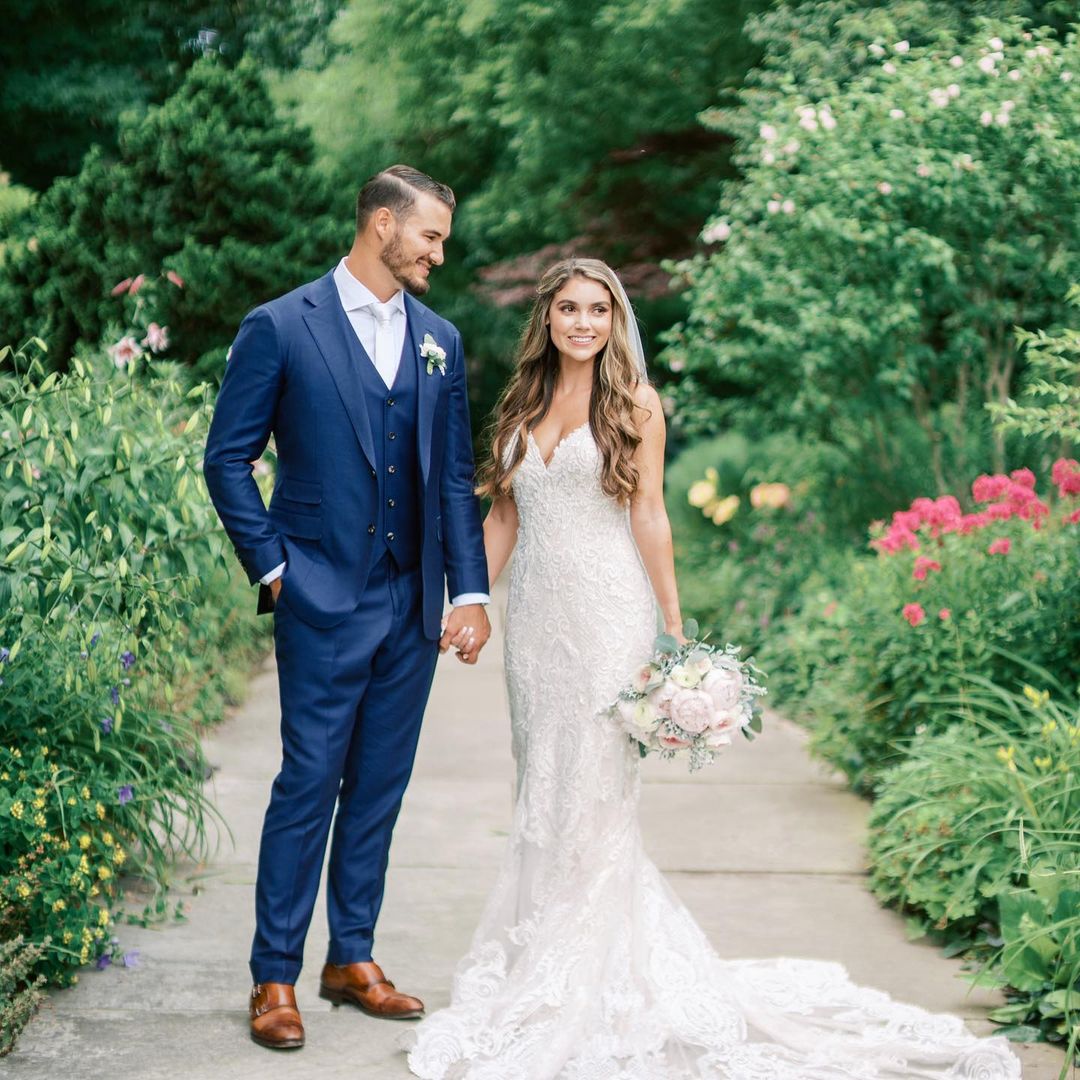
765, 848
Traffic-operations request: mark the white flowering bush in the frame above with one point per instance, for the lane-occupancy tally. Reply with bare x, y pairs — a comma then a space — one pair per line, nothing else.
895, 221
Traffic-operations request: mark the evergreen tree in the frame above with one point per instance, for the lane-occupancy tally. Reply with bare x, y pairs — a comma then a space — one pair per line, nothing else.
213, 186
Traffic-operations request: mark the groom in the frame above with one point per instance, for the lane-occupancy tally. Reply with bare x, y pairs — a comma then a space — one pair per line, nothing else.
363, 389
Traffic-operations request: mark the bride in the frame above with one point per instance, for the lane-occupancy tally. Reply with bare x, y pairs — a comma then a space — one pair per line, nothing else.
585, 965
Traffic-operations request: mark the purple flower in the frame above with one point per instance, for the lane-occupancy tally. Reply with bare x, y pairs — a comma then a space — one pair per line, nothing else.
131, 958
127, 659
106, 725
4, 654
125, 794
103, 961
114, 693
94, 640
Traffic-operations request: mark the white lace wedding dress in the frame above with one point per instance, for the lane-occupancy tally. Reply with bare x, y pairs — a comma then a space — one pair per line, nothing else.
585, 965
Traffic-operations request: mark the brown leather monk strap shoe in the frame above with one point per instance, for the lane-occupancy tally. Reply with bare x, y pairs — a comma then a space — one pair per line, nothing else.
365, 986
275, 1019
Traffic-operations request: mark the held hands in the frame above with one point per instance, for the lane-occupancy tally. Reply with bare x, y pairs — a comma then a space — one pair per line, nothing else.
275, 588
467, 629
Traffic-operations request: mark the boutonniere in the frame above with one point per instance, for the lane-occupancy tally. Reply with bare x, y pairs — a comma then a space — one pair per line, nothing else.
434, 354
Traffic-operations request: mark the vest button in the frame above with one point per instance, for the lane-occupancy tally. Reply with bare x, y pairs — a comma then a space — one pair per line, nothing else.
389, 536
390, 503
371, 529
392, 435
390, 402
392, 469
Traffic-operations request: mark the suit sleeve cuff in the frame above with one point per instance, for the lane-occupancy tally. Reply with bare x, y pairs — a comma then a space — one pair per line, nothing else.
273, 575
470, 598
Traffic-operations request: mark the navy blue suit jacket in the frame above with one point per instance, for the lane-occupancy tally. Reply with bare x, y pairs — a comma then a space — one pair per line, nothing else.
290, 374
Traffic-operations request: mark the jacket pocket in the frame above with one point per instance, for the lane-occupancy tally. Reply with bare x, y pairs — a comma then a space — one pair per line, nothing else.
291, 489
306, 526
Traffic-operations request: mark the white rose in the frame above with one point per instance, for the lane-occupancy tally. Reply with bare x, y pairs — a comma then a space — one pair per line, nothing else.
645, 716
645, 678
724, 687
692, 710
684, 676
625, 710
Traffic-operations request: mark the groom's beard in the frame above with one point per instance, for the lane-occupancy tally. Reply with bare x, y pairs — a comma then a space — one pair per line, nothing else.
404, 269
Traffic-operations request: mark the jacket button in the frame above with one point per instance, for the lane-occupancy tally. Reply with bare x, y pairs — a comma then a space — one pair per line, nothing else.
389, 536
371, 529
392, 435
390, 401
391, 503
392, 469
373, 474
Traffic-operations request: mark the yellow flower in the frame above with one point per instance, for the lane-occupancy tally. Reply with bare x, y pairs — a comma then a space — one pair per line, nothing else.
104, 873
106, 839
23, 889
68, 935
725, 510
118, 856
65, 846
17, 810
99, 934
85, 793
84, 865
1049, 727
86, 938
1006, 756
54, 769
701, 494
103, 917
39, 820
59, 905
94, 890
1038, 698
100, 811
84, 841
44, 751
84, 954
38, 803
1043, 763
16, 752
5, 776
770, 496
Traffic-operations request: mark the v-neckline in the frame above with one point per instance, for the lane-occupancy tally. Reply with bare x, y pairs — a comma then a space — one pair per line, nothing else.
558, 446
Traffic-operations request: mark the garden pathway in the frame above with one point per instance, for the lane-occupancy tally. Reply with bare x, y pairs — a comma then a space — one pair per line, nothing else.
766, 848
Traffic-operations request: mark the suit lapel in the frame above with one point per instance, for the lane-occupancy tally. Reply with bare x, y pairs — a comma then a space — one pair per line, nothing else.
328, 323
428, 386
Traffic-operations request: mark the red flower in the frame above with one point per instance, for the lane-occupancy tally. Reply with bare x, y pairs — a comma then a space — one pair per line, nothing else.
1073, 518
1023, 477
944, 614
137, 284
1066, 474
175, 278
914, 613
987, 488
923, 566
119, 290
1000, 546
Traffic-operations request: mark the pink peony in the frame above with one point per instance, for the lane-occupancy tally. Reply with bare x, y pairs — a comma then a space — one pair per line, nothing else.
725, 720
1066, 474
1000, 546
646, 678
944, 614
914, 613
724, 687
660, 698
670, 742
692, 710
923, 566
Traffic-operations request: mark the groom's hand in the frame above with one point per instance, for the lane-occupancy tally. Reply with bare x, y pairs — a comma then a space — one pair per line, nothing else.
467, 629
275, 588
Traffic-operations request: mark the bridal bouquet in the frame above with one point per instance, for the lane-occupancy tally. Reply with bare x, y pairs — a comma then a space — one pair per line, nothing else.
689, 700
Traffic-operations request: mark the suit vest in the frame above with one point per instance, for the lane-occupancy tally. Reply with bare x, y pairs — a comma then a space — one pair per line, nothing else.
393, 416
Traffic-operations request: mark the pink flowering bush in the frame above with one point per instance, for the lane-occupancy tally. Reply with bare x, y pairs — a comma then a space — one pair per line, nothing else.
980, 588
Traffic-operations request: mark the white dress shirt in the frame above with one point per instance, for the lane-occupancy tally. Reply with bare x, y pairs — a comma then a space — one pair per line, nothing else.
357, 300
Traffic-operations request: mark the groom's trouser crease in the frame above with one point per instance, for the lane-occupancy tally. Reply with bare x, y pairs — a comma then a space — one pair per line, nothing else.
351, 702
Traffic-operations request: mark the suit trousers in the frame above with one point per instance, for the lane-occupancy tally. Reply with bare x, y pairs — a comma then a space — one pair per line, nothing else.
352, 699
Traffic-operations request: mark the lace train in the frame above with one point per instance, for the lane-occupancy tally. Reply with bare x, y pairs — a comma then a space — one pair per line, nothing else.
585, 965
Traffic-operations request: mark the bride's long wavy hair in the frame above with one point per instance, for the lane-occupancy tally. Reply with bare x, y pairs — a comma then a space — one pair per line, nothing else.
528, 394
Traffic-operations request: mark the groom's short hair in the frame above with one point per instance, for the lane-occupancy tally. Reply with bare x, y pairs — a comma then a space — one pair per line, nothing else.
396, 188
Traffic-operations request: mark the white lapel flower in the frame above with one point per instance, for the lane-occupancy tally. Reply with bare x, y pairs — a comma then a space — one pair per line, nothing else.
434, 354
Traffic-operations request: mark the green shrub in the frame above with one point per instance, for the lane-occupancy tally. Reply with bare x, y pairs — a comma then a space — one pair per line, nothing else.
751, 525
977, 589
20, 991
976, 834
115, 614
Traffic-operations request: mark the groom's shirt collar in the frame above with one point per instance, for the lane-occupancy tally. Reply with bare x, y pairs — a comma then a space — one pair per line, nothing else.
356, 295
